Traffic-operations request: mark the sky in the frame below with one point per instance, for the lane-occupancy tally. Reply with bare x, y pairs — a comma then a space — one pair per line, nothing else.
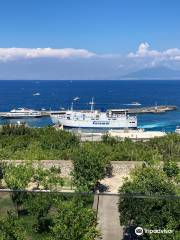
87, 39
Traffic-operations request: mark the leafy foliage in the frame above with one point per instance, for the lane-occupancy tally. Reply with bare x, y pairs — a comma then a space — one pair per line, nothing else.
171, 169
38, 205
20, 142
152, 212
74, 221
89, 166
20, 176
17, 177
11, 228
49, 212
51, 215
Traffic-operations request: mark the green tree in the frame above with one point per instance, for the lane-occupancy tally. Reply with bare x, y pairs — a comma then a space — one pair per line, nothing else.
17, 177
171, 169
155, 211
89, 166
1, 174
20, 176
109, 140
38, 205
49, 179
14, 129
11, 228
74, 221
168, 146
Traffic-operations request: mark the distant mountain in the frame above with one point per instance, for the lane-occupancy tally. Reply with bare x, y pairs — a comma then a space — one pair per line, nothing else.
154, 73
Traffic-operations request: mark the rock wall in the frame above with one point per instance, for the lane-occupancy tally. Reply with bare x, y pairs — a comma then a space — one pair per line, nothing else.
119, 167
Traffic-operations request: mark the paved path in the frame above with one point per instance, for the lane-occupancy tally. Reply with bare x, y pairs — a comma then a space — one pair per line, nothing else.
108, 218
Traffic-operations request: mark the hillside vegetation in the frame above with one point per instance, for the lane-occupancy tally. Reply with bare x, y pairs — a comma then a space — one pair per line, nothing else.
48, 144
28, 215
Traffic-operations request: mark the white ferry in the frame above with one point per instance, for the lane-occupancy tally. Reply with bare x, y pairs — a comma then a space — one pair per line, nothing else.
94, 119
22, 113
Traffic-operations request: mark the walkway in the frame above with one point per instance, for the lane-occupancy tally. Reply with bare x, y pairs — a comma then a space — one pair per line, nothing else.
108, 218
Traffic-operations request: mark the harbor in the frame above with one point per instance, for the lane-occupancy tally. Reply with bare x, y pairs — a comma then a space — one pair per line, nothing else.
140, 110
117, 123
91, 123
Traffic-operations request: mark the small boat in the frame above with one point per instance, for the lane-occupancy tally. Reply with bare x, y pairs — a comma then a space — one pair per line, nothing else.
76, 99
133, 104
23, 113
36, 94
136, 104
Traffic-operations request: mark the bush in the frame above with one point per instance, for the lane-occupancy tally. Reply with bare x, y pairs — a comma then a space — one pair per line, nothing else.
11, 228
44, 225
171, 169
90, 164
155, 210
74, 221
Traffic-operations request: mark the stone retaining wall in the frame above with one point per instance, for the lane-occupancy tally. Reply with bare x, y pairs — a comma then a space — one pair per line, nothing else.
119, 167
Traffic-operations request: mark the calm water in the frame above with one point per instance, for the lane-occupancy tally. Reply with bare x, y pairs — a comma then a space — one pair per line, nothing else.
107, 94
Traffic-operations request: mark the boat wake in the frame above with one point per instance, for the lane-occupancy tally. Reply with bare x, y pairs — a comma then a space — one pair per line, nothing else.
155, 125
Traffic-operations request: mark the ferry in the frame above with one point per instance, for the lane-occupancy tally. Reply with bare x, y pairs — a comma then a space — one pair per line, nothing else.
94, 119
23, 113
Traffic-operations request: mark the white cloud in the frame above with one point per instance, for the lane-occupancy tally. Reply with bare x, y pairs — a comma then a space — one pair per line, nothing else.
144, 51
29, 53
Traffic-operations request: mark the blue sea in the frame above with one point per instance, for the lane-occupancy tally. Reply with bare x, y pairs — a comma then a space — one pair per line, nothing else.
107, 94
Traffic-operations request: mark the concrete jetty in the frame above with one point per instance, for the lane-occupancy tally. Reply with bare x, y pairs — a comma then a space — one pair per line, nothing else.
42, 114
140, 110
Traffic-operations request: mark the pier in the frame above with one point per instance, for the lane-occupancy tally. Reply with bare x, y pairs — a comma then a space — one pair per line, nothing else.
139, 110
42, 114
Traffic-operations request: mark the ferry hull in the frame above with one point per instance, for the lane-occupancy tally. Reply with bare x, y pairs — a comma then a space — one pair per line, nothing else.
21, 117
94, 124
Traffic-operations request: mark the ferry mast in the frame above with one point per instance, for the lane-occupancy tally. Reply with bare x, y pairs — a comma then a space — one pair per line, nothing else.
92, 104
